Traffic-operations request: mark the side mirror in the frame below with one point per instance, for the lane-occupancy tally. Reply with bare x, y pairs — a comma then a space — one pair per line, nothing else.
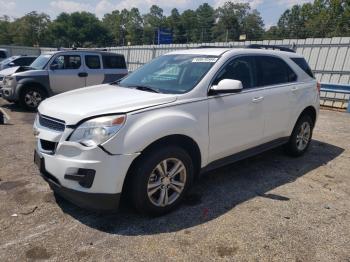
227, 86
12, 64
54, 67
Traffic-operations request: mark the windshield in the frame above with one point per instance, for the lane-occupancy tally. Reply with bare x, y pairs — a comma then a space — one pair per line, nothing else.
40, 61
172, 74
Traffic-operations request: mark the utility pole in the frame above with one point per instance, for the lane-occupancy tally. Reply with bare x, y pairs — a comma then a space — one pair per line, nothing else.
226, 35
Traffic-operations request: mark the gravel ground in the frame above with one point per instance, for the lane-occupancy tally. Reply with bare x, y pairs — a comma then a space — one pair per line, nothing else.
267, 208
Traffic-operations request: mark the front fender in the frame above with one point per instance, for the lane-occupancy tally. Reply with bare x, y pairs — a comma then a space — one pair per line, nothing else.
38, 81
142, 129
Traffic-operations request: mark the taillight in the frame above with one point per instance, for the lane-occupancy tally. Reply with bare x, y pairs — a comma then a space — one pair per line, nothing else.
318, 87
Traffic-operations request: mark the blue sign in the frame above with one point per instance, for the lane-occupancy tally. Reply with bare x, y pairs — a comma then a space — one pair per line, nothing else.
164, 36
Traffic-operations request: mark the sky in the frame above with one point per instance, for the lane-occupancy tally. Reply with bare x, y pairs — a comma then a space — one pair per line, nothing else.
270, 9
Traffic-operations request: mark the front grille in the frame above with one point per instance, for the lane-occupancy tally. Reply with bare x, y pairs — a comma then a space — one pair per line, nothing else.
50, 123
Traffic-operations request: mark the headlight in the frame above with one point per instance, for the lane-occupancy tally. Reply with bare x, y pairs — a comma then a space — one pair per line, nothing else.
98, 130
9, 81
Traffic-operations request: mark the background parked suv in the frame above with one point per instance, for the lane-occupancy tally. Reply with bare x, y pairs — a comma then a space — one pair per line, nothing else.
3, 54
61, 71
17, 61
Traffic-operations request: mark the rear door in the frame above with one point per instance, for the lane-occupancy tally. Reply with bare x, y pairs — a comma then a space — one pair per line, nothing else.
114, 67
94, 70
277, 80
67, 72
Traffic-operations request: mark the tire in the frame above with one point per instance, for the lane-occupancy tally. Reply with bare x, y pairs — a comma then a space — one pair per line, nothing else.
149, 187
301, 136
31, 97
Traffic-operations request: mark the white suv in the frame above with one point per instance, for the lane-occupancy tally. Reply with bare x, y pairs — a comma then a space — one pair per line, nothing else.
151, 134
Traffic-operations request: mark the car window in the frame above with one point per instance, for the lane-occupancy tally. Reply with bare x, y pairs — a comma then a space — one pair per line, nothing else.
67, 62
3, 54
20, 61
273, 71
29, 60
303, 65
242, 69
41, 61
113, 62
93, 61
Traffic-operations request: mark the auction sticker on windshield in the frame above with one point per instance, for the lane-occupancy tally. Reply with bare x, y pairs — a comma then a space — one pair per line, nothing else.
204, 60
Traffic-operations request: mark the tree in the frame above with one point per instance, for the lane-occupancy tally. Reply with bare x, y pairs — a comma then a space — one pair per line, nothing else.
177, 28
113, 23
253, 26
190, 22
31, 29
134, 27
231, 20
5, 33
79, 29
206, 19
153, 21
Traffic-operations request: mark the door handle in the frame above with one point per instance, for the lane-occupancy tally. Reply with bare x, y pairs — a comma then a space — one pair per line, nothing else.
82, 74
294, 89
257, 99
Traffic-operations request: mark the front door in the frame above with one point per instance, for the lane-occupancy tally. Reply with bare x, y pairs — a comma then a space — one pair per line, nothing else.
236, 121
66, 73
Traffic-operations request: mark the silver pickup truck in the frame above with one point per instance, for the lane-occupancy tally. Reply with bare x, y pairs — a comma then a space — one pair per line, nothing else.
57, 72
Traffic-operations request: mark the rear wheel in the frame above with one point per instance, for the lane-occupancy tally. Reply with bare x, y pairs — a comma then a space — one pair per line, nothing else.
161, 179
31, 97
301, 136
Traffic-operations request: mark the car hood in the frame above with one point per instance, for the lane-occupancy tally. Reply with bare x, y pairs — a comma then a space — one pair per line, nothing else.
9, 71
82, 103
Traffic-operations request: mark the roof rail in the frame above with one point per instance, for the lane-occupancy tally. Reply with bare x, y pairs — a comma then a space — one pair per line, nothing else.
214, 46
82, 49
274, 47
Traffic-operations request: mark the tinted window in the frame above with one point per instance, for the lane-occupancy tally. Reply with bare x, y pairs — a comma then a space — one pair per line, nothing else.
303, 65
93, 61
20, 61
67, 62
241, 69
273, 71
3, 54
110, 61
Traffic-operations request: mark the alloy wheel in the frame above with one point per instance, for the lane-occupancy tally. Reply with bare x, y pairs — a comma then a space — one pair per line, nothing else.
166, 182
304, 135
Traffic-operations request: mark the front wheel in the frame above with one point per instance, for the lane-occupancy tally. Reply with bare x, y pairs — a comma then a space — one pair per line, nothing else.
301, 136
161, 179
31, 97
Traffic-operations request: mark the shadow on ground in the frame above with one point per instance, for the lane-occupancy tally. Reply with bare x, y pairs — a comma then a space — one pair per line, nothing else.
10, 108
216, 193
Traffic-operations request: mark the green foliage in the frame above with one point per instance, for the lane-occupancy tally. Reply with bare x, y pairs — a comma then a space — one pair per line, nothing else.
80, 30
322, 18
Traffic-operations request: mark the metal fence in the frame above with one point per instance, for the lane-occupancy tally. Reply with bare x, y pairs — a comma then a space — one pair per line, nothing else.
21, 50
329, 58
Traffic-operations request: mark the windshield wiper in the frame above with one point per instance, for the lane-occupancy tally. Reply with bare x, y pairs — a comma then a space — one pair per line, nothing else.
145, 88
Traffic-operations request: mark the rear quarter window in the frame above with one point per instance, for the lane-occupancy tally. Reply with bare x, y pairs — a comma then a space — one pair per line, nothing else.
301, 62
113, 62
273, 71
